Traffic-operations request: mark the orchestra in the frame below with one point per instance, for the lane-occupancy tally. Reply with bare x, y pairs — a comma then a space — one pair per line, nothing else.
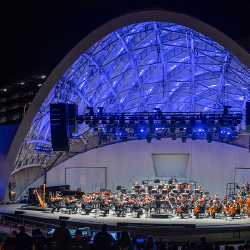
174, 198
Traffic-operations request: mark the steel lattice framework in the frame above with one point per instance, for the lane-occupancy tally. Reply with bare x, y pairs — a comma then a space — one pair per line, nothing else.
138, 68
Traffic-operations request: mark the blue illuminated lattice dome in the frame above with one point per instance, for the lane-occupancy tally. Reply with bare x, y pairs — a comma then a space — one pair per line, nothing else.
141, 67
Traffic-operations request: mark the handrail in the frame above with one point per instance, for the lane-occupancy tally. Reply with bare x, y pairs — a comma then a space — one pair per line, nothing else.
24, 221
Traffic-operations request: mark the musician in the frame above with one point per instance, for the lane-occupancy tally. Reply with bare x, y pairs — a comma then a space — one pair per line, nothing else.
202, 204
217, 208
160, 186
52, 203
185, 208
71, 203
173, 180
149, 188
158, 198
237, 206
136, 187
142, 189
137, 208
104, 207
33, 198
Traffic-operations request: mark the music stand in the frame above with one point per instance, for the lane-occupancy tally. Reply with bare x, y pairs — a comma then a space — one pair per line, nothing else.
185, 195
118, 188
175, 191
172, 200
137, 187
164, 191
187, 191
142, 190
197, 191
103, 189
150, 187
160, 186
123, 190
154, 191
172, 187
133, 195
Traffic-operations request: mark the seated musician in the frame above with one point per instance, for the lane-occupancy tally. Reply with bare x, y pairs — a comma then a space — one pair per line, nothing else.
104, 207
142, 189
160, 186
136, 187
149, 188
185, 208
137, 208
217, 209
71, 204
202, 204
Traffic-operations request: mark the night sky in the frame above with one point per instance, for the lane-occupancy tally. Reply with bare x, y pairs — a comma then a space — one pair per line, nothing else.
36, 35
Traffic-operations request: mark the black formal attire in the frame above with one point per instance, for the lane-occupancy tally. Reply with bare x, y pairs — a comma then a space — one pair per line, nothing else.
75, 244
137, 209
158, 202
203, 246
11, 244
61, 237
218, 210
185, 210
202, 209
103, 241
23, 240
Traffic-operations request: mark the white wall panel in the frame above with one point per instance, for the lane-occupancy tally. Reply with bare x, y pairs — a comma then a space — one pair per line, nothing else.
211, 165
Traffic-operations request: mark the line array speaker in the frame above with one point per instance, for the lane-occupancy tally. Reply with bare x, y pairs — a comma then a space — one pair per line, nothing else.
58, 123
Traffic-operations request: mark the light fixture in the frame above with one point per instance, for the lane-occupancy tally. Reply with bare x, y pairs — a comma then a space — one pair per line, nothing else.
149, 138
184, 138
209, 138
124, 139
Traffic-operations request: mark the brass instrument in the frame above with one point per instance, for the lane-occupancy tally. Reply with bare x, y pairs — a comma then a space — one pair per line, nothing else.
40, 192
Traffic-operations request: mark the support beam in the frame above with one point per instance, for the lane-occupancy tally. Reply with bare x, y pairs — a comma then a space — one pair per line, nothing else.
102, 72
135, 70
165, 77
192, 72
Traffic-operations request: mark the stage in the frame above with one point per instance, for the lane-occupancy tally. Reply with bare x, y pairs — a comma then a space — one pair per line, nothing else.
173, 229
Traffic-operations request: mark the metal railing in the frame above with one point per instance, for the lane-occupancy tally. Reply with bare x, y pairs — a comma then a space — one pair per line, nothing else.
13, 222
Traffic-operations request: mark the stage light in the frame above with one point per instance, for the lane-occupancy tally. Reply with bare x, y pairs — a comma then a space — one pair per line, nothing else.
184, 138
149, 138
193, 136
91, 111
158, 137
124, 139
209, 138
173, 136
100, 110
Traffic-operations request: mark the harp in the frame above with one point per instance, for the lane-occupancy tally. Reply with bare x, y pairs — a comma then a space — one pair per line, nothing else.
40, 192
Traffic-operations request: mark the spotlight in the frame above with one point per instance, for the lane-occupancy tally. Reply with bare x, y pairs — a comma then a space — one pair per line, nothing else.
100, 110
184, 138
149, 138
124, 139
158, 137
173, 136
193, 136
209, 138
91, 111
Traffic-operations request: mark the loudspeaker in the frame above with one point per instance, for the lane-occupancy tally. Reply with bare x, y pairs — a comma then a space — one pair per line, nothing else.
64, 217
247, 113
72, 113
58, 124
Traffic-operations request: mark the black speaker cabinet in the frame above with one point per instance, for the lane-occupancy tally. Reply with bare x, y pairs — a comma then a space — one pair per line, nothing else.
58, 123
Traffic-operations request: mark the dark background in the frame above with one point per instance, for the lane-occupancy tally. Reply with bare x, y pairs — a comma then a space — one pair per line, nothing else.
36, 35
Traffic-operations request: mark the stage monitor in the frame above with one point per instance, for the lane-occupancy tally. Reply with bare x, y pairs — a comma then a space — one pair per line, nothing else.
85, 231
72, 232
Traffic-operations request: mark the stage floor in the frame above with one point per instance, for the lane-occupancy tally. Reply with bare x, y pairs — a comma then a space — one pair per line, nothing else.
112, 219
